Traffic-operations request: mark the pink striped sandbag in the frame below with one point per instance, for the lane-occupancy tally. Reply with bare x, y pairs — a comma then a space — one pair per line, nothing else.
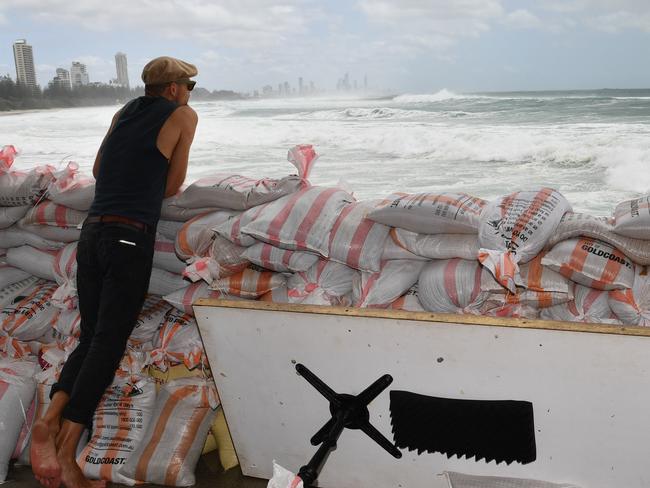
632, 305
515, 228
451, 286
72, 189
278, 259
183, 298
355, 240
409, 302
380, 289
164, 255
49, 213
240, 192
20, 188
30, 318
301, 221
231, 229
588, 305
591, 263
223, 259
177, 342
430, 213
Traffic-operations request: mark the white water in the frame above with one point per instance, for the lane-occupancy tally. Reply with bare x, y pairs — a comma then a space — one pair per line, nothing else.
594, 149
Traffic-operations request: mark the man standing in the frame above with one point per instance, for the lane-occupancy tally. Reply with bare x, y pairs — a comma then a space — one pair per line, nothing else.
142, 159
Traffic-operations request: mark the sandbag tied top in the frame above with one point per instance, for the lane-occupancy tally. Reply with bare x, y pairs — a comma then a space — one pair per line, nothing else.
72, 189
380, 289
451, 286
238, 192
301, 221
515, 228
18, 188
195, 237
325, 283
356, 240
591, 263
632, 305
632, 218
177, 342
431, 213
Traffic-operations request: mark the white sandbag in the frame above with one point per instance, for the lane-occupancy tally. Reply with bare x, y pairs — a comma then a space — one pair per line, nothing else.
10, 275
515, 228
601, 228
283, 478
68, 322
632, 218
49, 213
241, 193
149, 319
438, 246
430, 213
9, 294
172, 445
632, 305
72, 189
277, 259
409, 302
17, 389
11, 215
591, 263
588, 305
250, 283
30, 315
164, 282
393, 251
18, 188
380, 289
36, 262
119, 426
14, 236
451, 286
52, 232
168, 229
325, 283
355, 240
183, 298
164, 256
222, 259
178, 342
195, 237
278, 295
65, 271
301, 221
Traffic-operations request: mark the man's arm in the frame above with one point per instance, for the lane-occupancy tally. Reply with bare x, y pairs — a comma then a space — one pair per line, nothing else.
187, 120
101, 147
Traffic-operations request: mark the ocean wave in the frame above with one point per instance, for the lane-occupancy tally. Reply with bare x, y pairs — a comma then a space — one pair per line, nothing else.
440, 96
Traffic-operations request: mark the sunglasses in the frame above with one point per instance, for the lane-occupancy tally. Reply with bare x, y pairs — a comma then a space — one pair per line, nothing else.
190, 83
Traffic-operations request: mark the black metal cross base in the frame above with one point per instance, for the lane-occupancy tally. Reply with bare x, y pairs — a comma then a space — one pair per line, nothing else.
348, 411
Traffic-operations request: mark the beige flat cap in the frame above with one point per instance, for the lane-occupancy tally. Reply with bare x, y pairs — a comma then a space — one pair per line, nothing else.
165, 69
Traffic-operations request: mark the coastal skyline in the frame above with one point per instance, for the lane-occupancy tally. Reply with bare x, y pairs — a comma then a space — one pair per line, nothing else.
417, 46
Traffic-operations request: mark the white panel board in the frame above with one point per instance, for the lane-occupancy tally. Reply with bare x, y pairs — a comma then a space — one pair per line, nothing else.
590, 393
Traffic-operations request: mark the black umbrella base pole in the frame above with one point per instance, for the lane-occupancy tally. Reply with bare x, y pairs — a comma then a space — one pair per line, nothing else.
348, 412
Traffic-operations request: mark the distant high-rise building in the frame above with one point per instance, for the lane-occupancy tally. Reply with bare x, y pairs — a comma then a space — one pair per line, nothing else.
78, 74
267, 90
24, 58
61, 80
286, 88
280, 89
312, 88
365, 82
122, 72
300, 87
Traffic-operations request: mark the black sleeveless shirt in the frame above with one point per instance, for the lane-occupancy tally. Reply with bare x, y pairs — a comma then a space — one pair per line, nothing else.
132, 171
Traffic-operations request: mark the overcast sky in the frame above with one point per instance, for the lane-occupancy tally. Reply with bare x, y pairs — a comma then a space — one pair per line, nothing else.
415, 46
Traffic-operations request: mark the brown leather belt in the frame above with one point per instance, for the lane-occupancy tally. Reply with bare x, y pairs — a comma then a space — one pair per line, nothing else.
118, 219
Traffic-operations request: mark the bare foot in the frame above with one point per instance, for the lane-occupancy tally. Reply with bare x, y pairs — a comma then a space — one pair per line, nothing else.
42, 453
72, 476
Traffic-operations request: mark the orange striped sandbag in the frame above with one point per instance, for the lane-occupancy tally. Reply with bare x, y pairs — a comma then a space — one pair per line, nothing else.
632, 305
515, 228
30, 318
119, 426
172, 445
250, 283
588, 305
380, 289
195, 237
632, 218
178, 342
591, 263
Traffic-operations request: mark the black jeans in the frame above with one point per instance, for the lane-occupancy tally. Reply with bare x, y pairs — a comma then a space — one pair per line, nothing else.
113, 271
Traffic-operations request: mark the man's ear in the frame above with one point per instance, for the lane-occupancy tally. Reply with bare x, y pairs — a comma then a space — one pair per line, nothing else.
173, 89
